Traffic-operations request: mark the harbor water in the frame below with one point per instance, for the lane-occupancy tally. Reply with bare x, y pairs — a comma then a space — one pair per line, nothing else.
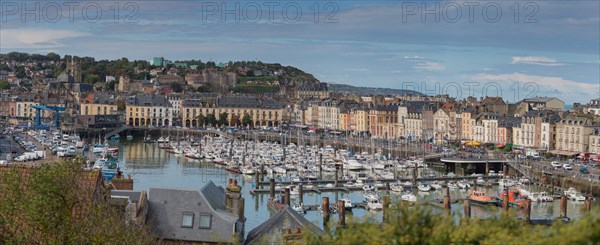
150, 166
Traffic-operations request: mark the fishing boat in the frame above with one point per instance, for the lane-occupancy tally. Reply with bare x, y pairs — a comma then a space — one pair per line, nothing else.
436, 185
332, 209
109, 166
409, 197
452, 185
149, 140
248, 170
424, 187
396, 187
574, 195
541, 197
514, 198
347, 203
480, 181
299, 208
368, 187
463, 184
374, 205
481, 197
506, 183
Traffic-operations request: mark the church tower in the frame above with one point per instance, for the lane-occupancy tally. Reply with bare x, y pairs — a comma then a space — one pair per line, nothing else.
74, 68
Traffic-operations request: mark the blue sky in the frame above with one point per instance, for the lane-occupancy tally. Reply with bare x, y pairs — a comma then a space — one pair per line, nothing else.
546, 48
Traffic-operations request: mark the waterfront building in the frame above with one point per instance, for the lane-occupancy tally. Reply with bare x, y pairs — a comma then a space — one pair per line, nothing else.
382, 121
329, 114
505, 129
98, 104
360, 119
148, 110
466, 124
595, 141
573, 135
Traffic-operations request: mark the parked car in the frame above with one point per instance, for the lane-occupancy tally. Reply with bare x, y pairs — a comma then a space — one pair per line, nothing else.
567, 166
555, 164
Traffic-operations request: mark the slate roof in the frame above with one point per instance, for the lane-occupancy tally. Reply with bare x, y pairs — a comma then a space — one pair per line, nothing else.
166, 207
148, 100
540, 99
271, 231
510, 122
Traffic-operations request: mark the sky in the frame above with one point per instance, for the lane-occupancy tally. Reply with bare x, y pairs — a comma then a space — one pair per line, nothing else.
509, 48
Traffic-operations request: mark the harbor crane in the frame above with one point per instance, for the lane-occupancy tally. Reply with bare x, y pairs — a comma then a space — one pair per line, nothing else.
40, 108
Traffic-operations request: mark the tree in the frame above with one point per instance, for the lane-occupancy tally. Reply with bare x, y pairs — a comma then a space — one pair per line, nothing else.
211, 119
4, 84
20, 72
53, 203
222, 119
91, 79
176, 87
422, 225
201, 120
247, 120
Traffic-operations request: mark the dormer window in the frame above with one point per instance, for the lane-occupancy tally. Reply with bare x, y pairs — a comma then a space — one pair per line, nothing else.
187, 220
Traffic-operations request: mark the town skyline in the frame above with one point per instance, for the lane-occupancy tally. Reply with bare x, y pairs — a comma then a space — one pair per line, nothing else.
382, 44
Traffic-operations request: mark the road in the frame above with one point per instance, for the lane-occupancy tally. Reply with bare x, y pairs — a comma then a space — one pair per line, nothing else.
594, 174
6, 146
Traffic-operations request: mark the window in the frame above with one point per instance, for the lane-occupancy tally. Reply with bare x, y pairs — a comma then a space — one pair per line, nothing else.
205, 221
187, 220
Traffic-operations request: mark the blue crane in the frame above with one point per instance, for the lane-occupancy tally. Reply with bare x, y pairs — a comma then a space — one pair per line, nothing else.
39, 108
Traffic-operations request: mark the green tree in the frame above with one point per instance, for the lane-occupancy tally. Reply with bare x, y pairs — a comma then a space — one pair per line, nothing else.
176, 87
201, 120
247, 120
211, 119
222, 119
91, 79
54, 203
20, 72
422, 225
4, 84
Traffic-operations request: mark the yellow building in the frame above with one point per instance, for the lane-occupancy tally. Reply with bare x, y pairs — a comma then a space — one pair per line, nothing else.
98, 104
263, 112
360, 120
24, 111
573, 135
148, 110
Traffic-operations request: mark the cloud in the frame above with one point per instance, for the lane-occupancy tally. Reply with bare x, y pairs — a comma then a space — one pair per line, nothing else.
36, 38
429, 66
357, 69
535, 60
556, 83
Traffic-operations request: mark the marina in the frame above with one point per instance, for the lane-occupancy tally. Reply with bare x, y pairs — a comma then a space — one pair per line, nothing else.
272, 176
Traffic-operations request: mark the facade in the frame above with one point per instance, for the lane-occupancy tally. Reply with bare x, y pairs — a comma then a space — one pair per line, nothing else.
98, 104
595, 142
382, 121
548, 138
573, 134
490, 127
175, 100
466, 125
442, 126
541, 103
360, 119
148, 110
329, 114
